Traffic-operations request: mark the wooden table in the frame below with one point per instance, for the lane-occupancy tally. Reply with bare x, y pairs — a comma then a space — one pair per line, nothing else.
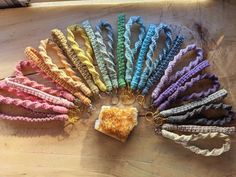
48, 150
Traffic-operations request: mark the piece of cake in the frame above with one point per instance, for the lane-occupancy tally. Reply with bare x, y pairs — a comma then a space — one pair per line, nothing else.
117, 122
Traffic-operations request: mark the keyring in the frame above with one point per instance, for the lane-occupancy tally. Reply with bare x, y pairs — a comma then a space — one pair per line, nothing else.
159, 121
149, 116
128, 99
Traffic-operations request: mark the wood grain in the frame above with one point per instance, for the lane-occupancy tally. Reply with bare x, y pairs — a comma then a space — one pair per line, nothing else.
50, 150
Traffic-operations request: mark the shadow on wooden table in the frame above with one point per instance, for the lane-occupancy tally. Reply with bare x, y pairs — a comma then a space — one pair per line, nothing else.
25, 129
147, 155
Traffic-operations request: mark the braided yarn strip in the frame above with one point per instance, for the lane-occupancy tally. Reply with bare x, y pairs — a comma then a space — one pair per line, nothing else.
60, 73
185, 139
38, 59
32, 104
68, 67
185, 69
39, 94
165, 78
167, 47
18, 93
162, 65
26, 81
44, 75
84, 56
120, 50
215, 86
195, 117
98, 55
141, 56
198, 129
38, 113
179, 86
61, 117
130, 53
35, 56
150, 64
107, 50
212, 98
75, 81
196, 95
60, 40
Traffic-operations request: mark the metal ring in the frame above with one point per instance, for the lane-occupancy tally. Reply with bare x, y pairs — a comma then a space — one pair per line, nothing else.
140, 99
131, 98
159, 121
149, 114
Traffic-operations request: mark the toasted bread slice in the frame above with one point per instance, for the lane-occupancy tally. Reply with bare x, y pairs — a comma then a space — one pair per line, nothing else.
117, 122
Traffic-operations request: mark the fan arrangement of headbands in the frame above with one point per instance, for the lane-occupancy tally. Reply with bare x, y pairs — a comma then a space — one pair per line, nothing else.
91, 70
